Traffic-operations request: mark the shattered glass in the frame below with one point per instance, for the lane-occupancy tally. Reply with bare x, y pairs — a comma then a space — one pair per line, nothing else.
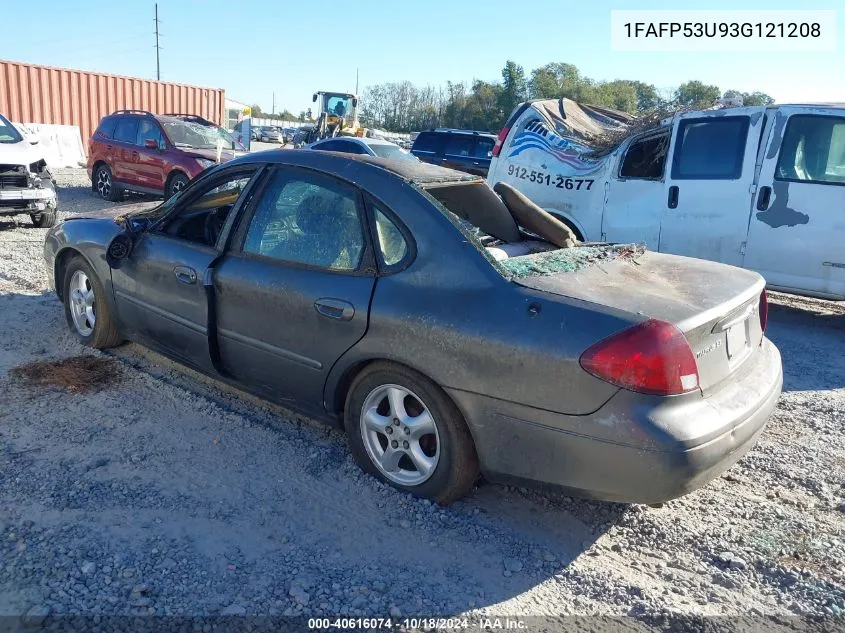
567, 260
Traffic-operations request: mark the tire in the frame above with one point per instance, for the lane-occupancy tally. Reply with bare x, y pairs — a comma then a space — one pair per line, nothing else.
177, 182
449, 451
103, 334
45, 219
104, 185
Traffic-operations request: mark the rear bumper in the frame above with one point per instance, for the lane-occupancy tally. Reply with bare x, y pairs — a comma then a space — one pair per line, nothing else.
635, 448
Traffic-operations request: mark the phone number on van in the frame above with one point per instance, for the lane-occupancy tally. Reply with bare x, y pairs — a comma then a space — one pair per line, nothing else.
558, 181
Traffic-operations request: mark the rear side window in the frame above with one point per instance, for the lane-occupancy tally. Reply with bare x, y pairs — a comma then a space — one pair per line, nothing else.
710, 149
126, 130
427, 142
107, 126
391, 242
645, 158
813, 150
459, 145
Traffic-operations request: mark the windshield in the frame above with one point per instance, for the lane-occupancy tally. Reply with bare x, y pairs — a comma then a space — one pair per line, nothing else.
338, 105
8, 132
196, 136
392, 151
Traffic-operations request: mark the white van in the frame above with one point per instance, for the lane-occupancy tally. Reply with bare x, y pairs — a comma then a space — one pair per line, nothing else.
758, 187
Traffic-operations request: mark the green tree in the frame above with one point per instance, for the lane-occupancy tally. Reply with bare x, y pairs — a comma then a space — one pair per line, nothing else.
558, 79
256, 109
514, 87
749, 98
695, 95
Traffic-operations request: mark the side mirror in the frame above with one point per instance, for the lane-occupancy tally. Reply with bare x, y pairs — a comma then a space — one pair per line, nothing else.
120, 248
355, 103
314, 98
151, 143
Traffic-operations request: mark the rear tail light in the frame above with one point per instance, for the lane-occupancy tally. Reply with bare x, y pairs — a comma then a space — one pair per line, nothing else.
500, 140
764, 310
650, 357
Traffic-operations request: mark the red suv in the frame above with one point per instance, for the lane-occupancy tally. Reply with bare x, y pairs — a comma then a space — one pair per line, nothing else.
133, 150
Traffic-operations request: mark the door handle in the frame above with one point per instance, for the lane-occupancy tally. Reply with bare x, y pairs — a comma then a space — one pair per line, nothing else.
108, 146
673, 197
335, 309
763, 198
185, 275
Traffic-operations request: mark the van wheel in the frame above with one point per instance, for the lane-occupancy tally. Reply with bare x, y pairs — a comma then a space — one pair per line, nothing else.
404, 430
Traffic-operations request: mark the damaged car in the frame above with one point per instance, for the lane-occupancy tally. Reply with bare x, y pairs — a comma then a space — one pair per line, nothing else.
452, 330
760, 187
26, 184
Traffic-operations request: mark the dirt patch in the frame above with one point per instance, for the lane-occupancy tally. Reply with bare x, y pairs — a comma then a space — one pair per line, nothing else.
78, 374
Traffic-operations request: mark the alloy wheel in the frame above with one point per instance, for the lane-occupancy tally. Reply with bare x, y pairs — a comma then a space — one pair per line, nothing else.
82, 298
400, 435
103, 183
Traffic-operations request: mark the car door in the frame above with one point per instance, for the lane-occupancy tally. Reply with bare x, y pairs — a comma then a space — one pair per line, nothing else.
635, 195
708, 190
125, 150
160, 289
294, 292
149, 162
797, 225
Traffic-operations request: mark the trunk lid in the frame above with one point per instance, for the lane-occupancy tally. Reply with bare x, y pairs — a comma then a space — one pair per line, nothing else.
714, 305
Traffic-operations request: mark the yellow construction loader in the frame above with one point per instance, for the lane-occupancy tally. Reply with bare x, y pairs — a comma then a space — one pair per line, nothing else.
337, 115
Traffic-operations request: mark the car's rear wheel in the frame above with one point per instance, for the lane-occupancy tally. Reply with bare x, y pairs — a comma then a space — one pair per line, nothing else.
406, 431
104, 184
86, 309
176, 183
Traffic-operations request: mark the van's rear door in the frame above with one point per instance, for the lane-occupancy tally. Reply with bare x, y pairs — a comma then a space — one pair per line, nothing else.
709, 178
797, 230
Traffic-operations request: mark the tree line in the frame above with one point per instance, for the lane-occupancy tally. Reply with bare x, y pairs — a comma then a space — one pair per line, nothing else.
484, 105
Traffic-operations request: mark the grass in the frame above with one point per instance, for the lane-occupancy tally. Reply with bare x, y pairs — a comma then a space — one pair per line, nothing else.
77, 374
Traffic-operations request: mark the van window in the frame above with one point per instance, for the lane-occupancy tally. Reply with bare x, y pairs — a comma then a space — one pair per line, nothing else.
645, 158
710, 149
813, 150
426, 142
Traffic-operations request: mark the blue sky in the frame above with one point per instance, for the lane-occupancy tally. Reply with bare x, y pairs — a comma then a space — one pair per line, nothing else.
258, 47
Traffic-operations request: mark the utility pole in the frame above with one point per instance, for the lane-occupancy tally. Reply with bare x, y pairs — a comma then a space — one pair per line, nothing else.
158, 48
273, 109
356, 82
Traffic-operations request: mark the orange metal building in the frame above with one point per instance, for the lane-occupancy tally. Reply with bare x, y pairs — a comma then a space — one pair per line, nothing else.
43, 94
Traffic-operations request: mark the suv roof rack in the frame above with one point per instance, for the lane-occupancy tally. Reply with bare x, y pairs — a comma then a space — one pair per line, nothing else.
458, 130
194, 118
144, 112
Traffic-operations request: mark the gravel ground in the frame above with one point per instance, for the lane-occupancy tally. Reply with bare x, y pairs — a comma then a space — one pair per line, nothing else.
170, 493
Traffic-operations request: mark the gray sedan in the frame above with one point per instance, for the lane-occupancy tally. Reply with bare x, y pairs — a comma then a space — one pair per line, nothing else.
447, 329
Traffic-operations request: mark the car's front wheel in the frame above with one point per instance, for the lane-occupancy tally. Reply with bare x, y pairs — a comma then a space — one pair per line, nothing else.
45, 219
406, 431
86, 308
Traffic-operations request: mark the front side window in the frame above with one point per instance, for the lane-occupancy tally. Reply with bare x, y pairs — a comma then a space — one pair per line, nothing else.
710, 149
126, 130
200, 217
813, 150
459, 145
307, 219
645, 158
149, 130
484, 147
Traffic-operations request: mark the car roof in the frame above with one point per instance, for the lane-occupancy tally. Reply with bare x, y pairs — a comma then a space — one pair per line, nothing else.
335, 162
